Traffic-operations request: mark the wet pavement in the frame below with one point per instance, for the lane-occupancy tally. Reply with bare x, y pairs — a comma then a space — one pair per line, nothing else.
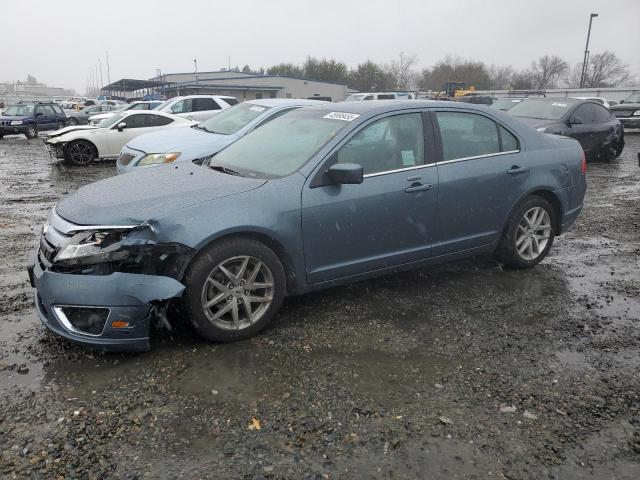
465, 370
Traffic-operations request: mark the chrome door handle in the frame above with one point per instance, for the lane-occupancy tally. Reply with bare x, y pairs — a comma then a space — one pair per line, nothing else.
516, 170
419, 188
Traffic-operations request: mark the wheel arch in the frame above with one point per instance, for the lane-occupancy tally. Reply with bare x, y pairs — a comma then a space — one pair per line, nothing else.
293, 283
549, 196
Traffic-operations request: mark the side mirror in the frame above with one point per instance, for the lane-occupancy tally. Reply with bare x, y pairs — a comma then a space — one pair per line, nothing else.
122, 126
345, 173
576, 121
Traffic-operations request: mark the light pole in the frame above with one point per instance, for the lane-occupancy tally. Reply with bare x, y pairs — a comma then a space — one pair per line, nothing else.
586, 51
195, 64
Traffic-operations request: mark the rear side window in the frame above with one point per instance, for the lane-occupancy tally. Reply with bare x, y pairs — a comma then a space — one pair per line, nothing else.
57, 109
231, 101
204, 104
157, 120
601, 114
183, 106
391, 143
509, 142
466, 135
386, 96
585, 113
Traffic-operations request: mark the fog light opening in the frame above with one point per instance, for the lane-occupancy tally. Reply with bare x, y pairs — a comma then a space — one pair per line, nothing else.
83, 320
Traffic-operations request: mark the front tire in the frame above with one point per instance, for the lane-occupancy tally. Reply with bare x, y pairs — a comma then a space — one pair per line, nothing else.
31, 132
234, 289
529, 234
80, 153
72, 122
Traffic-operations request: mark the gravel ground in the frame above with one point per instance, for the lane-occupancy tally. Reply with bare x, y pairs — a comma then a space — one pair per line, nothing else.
461, 371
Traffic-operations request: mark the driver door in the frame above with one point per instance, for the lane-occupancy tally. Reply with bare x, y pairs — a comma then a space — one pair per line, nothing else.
386, 221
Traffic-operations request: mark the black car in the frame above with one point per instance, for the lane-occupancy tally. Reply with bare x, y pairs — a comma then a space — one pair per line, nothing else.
30, 117
628, 111
476, 99
599, 132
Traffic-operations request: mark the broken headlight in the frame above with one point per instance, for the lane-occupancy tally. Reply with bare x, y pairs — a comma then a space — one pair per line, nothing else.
92, 247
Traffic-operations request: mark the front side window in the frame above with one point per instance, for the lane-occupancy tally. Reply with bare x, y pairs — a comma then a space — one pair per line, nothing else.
20, 110
466, 135
183, 106
136, 121
391, 143
281, 146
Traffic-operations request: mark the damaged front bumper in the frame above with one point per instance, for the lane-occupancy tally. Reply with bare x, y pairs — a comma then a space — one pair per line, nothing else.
122, 302
102, 286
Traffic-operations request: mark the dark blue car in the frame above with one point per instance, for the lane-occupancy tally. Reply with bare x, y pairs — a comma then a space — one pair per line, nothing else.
317, 197
29, 118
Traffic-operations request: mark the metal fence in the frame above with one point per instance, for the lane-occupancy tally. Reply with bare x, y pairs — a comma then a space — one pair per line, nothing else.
614, 94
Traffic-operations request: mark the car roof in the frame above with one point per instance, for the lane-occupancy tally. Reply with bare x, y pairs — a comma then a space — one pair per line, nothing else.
202, 96
284, 102
382, 106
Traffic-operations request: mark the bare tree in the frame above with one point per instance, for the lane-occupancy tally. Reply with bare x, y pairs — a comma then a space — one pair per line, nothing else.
456, 69
605, 70
547, 70
501, 77
401, 70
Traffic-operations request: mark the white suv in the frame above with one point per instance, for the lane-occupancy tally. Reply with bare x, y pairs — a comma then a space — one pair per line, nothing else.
197, 107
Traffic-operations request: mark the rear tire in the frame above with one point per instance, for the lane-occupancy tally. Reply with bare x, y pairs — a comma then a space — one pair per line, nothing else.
529, 233
80, 153
31, 132
234, 289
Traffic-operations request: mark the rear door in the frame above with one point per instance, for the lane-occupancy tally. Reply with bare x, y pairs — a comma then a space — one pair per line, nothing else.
603, 127
45, 117
583, 131
481, 172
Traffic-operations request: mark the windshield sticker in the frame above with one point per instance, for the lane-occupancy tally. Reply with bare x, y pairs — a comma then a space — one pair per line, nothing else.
257, 109
408, 160
559, 104
347, 117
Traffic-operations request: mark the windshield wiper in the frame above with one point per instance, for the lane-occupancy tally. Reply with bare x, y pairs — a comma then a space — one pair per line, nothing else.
229, 171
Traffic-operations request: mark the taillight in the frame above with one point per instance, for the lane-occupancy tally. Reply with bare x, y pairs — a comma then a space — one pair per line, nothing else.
583, 163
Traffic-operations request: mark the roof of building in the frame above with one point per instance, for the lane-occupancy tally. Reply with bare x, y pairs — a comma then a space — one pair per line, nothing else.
131, 85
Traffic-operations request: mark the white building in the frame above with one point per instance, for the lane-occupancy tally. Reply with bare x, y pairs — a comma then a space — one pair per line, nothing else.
246, 86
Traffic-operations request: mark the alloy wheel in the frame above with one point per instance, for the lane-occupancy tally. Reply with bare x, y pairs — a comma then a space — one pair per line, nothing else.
237, 293
81, 153
534, 232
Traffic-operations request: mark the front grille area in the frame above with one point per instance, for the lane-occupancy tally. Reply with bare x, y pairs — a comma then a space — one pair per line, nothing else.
623, 113
124, 159
47, 252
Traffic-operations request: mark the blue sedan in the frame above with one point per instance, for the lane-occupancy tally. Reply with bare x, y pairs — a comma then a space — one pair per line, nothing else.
317, 197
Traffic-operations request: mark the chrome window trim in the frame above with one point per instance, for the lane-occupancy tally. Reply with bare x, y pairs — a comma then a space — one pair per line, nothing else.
62, 225
464, 159
67, 324
388, 172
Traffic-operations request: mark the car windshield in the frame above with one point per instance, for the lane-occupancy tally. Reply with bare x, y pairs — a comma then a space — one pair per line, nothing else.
283, 145
505, 103
20, 110
110, 121
355, 96
541, 109
635, 98
232, 119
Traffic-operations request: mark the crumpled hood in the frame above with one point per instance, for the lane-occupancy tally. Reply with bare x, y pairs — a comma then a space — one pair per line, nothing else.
72, 128
138, 196
177, 140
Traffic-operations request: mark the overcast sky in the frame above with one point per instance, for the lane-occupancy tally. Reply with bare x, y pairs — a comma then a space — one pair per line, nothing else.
59, 42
